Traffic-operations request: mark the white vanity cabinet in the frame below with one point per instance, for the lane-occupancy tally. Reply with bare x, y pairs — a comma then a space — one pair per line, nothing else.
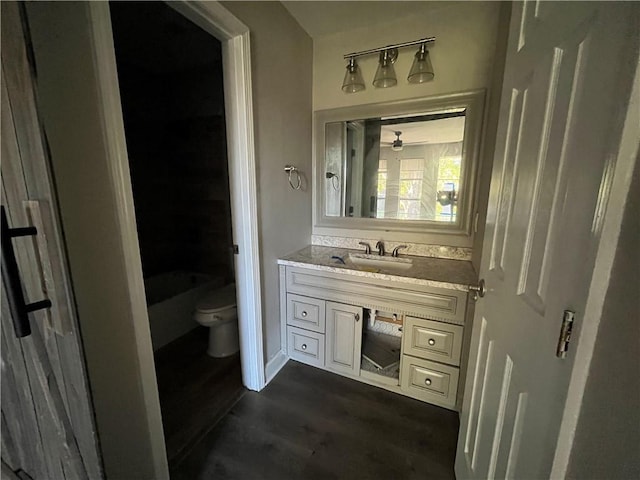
324, 334
325, 313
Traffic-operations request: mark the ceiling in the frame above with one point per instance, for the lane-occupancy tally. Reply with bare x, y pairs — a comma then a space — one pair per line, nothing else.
445, 130
324, 18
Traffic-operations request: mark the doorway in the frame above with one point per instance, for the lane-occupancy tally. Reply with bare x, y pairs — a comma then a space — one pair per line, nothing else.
171, 88
81, 108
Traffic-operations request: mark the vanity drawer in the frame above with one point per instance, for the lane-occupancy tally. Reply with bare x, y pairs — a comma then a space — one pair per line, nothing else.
305, 346
429, 381
432, 340
306, 312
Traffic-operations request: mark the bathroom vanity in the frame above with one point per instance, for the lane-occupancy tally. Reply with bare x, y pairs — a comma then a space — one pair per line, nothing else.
405, 172
397, 323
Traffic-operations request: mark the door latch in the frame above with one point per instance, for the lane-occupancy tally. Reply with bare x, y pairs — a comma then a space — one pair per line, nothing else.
565, 333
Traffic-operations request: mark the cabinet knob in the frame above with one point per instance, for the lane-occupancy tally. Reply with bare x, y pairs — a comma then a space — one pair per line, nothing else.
304, 313
431, 341
427, 381
357, 317
304, 346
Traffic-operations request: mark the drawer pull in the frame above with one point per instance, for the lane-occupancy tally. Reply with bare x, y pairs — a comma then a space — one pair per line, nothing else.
431, 341
304, 346
304, 313
427, 381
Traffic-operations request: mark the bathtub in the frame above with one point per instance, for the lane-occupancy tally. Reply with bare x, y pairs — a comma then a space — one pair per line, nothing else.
171, 300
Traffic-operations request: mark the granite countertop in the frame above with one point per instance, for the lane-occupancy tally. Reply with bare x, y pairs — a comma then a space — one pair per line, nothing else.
435, 272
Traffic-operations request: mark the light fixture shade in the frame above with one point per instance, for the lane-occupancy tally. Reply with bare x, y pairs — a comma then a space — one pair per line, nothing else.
421, 70
353, 81
385, 75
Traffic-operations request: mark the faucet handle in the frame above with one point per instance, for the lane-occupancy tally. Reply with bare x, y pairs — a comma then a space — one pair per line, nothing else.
367, 247
395, 250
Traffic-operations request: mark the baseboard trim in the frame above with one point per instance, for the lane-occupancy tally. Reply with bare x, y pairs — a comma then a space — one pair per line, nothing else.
275, 365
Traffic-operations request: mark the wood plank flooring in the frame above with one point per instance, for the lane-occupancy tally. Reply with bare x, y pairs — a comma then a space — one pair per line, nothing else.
311, 424
195, 390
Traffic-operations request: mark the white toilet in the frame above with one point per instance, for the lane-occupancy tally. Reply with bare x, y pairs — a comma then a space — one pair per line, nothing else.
217, 310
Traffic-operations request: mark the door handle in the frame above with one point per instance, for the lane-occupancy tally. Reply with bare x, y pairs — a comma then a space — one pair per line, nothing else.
11, 277
478, 290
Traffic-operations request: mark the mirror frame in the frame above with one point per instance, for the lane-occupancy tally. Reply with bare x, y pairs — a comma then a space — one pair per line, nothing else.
458, 234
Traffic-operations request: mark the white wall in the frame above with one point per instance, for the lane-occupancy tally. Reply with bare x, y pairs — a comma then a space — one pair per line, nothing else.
281, 56
462, 55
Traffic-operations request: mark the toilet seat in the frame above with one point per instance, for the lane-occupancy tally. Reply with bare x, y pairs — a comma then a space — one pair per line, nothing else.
218, 300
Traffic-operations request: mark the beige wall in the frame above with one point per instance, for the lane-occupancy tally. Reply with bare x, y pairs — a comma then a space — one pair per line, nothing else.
462, 55
281, 56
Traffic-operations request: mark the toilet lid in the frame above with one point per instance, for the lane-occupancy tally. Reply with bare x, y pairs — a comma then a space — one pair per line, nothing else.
219, 299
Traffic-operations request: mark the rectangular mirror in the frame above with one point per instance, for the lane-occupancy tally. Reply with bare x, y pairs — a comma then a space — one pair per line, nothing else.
405, 166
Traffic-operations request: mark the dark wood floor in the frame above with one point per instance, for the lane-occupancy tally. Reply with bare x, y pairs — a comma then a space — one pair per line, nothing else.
311, 424
195, 390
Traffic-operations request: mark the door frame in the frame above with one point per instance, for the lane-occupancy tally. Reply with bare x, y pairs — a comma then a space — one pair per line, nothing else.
236, 59
238, 99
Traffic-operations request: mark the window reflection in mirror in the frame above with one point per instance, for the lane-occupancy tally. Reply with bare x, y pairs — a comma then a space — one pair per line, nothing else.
404, 168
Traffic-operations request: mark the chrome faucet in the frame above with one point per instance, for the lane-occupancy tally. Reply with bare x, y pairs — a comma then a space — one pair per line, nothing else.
367, 247
395, 250
380, 247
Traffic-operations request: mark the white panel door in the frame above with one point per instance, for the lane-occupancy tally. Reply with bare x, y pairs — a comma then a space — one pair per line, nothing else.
565, 86
343, 337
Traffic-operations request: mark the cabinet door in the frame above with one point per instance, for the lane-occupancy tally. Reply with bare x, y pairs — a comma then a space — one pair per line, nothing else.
343, 338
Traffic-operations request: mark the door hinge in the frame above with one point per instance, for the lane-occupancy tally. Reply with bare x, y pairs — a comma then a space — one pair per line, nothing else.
565, 333
235, 249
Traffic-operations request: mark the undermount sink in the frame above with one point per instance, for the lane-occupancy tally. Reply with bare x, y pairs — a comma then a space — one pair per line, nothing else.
379, 261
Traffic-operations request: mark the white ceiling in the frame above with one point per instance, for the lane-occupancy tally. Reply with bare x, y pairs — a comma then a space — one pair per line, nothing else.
323, 18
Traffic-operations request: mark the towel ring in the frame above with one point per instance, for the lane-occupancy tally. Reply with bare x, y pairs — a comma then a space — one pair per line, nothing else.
335, 180
290, 170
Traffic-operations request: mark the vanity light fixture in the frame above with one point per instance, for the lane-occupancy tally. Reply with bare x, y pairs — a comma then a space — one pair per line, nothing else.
421, 70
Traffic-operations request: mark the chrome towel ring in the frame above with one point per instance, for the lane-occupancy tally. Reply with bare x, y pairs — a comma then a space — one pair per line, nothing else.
335, 180
290, 170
